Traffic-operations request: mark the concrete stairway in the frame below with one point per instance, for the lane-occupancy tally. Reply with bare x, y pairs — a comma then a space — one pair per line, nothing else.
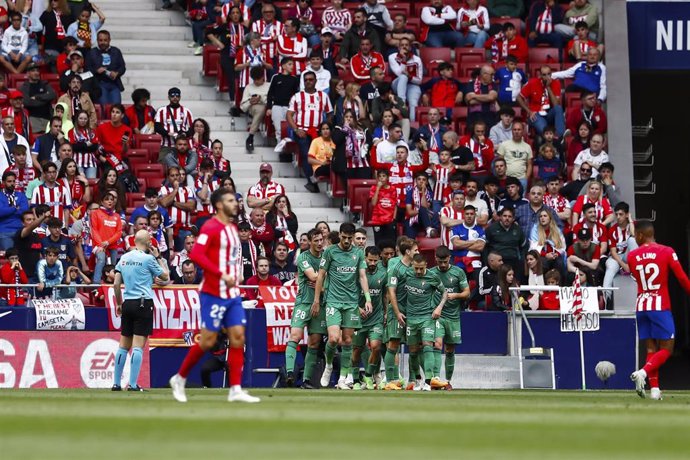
154, 44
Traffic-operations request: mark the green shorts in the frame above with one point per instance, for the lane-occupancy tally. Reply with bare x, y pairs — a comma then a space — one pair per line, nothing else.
373, 332
419, 330
301, 317
449, 329
345, 316
393, 330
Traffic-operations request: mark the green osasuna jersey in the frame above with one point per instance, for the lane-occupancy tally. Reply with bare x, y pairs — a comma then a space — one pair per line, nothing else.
305, 292
343, 268
377, 287
397, 271
421, 292
455, 281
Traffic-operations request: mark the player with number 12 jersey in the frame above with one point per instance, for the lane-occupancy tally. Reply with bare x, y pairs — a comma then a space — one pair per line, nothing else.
650, 265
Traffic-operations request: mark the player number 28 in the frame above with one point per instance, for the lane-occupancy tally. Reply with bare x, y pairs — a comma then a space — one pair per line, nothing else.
648, 274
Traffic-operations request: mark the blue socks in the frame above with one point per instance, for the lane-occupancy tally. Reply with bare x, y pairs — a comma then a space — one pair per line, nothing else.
137, 358
120, 359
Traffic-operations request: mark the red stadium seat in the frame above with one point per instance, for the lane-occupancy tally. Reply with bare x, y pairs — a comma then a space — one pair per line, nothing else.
53, 80
573, 100
432, 68
138, 156
150, 142
547, 55
427, 55
466, 55
210, 59
135, 200
535, 67
467, 69
221, 80
146, 171
355, 193
517, 22
16, 80
337, 187
346, 75
399, 7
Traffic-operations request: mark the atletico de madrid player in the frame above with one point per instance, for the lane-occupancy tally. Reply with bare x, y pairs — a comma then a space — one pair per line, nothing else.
218, 251
650, 265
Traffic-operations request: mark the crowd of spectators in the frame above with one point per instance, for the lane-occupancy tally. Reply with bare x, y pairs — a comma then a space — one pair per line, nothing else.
509, 171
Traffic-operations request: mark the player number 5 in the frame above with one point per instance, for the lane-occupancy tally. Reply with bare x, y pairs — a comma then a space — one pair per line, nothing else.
648, 274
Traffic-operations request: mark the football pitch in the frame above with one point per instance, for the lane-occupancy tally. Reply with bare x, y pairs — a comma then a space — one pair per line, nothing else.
330, 424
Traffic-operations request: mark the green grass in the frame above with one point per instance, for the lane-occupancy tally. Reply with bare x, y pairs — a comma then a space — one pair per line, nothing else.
100, 424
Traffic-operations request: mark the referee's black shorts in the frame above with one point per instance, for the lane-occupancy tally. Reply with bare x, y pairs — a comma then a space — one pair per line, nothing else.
137, 319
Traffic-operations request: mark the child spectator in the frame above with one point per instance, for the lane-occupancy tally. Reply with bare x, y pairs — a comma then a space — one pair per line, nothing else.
547, 138
442, 172
581, 43
50, 273
549, 300
72, 276
23, 171
444, 90
510, 80
198, 14
15, 43
12, 273
63, 244
547, 162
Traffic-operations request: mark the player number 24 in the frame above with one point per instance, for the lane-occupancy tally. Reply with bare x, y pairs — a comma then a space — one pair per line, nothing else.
648, 274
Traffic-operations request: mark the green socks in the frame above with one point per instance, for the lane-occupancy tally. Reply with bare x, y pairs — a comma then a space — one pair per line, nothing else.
437, 363
428, 362
391, 368
414, 365
345, 360
290, 356
330, 353
310, 362
450, 365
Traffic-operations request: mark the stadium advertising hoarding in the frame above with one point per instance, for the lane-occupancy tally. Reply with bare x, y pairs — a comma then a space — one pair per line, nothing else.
59, 314
62, 359
659, 35
585, 318
279, 303
176, 317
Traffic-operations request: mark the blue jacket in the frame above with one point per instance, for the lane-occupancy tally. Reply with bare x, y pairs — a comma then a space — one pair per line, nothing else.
11, 216
111, 59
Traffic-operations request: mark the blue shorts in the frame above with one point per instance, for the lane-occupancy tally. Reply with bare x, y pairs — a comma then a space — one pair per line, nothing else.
217, 313
655, 325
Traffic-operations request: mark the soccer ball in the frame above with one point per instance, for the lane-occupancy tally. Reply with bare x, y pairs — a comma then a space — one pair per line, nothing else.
605, 370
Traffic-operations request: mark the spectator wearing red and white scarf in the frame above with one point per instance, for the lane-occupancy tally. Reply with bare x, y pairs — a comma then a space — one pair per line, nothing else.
507, 42
481, 146
578, 46
543, 17
418, 207
540, 98
408, 69
438, 23
401, 171
473, 24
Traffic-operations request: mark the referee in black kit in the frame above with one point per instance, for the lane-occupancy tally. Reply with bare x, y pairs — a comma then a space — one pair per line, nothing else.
138, 269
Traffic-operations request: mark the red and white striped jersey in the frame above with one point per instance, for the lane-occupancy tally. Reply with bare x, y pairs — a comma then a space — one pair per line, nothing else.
447, 232
220, 164
56, 197
558, 203
310, 109
650, 265
129, 242
295, 47
263, 193
269, 36
174, 120
483, 153
600, 233
545, 22
401, 177
76, 190
218, 251
206, 209
179, 216
338, 20
603, 207
618, 238
83, 159
247, 55
441, 174
225, 11
24, 176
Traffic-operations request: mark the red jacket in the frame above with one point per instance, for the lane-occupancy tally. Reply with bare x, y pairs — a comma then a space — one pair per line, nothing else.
360, 66
253, 294
574, 117
13, 295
